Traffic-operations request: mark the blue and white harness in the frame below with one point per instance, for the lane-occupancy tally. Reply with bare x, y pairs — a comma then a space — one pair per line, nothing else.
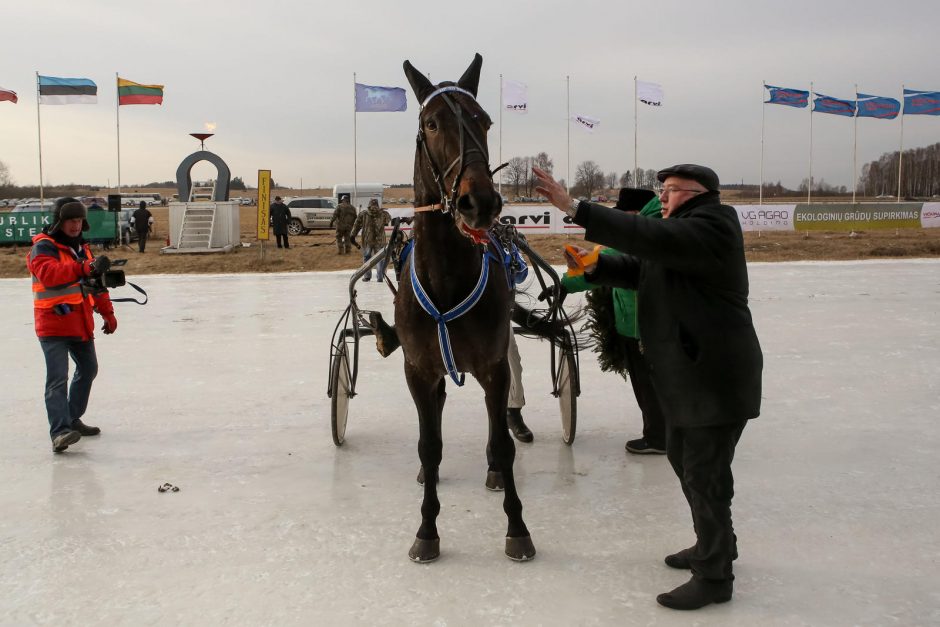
516, 271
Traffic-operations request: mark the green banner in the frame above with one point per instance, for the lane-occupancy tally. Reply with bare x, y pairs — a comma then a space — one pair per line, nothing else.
857, 217
19, 228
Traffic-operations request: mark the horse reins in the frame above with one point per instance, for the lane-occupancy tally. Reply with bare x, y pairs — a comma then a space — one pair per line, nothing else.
449, 203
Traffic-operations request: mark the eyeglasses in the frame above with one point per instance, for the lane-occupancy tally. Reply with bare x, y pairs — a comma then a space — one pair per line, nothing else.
665, 191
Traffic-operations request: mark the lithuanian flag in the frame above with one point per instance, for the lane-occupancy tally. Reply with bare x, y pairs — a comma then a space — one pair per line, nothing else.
131, 93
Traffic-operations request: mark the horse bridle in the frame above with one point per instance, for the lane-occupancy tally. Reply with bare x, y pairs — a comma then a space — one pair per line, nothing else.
449, 203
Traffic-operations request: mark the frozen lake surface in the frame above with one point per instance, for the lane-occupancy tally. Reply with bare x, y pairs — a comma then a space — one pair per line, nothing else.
218, 386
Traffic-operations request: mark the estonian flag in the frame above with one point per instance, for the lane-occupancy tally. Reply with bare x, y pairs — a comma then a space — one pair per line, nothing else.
53, 90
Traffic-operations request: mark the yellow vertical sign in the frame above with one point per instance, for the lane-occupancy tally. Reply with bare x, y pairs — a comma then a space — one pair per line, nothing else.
264, 203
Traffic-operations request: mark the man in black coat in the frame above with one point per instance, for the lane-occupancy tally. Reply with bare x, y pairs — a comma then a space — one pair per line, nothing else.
697, 335
280, 217
143, 219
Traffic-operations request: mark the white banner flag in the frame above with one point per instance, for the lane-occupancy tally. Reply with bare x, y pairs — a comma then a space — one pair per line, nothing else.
515, 96
586, 122
649, 93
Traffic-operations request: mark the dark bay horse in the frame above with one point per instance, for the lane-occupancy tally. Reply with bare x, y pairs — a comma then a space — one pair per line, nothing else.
452, 316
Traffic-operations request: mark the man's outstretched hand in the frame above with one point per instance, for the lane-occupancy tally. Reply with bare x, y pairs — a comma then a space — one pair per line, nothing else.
552, 189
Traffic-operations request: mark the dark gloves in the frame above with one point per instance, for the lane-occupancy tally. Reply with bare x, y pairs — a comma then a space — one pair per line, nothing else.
550, 290
110, 322
99, 266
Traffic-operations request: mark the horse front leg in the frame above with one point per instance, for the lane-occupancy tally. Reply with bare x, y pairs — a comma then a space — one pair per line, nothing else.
428, 395
502, 450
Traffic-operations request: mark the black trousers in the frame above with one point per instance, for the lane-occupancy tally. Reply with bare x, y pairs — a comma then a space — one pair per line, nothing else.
654, 424
142, 241
701, 458
282, 238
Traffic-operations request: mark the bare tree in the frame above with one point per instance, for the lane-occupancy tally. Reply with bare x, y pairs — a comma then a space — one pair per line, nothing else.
516, 173
588, 177
626, 179
611, 180
5, 175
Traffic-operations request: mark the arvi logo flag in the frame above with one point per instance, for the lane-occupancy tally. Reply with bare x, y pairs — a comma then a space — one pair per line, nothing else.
788, 97
649, 93
7, 94
373, 98
921, 102
62, 91
585, 122
515, 96
835, 106
877, 107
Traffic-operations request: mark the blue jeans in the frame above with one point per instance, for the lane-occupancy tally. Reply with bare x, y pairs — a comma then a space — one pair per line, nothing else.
367, 253
65, 407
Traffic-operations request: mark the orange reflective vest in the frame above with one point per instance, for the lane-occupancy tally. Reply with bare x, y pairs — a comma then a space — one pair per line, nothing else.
47, 297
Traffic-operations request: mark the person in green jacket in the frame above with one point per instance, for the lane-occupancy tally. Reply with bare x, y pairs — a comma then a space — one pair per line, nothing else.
617, 336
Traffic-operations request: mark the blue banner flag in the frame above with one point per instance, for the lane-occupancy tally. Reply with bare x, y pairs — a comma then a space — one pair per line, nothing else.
788, 97
55, 90
371, 98
921, 102
877, 107
835, 106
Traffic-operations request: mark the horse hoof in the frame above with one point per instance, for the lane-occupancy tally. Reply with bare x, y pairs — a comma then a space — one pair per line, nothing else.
520, 549
494, 481
426, 551
421, 476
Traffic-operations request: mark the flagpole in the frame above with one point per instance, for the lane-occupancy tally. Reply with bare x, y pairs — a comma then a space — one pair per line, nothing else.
763, 111
568, 125
355, 148
809, 185
855, 148
636, 170
39, 132
901, 149
500, 133
117, 109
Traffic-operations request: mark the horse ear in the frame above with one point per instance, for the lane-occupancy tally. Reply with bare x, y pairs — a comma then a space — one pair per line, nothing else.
419, 82
471, 78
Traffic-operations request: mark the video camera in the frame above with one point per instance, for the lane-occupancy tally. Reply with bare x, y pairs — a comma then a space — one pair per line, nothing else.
103, 277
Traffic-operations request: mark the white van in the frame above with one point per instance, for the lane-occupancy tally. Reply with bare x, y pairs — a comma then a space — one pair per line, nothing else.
360, 194
133, 200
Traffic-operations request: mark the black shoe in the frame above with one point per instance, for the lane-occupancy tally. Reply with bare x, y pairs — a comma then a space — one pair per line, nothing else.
696, 593
642, 447
517, 425
62, 441
81, 427
682, 559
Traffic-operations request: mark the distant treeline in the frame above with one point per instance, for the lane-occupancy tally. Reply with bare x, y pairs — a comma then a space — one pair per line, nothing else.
920, 174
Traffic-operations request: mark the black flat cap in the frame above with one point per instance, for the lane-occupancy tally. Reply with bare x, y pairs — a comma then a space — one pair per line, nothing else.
697, 173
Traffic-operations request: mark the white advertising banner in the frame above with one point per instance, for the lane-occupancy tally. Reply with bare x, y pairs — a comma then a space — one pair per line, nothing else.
930, 215
765, 217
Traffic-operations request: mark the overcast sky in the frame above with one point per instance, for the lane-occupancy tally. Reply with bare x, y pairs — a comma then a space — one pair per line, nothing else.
276, 78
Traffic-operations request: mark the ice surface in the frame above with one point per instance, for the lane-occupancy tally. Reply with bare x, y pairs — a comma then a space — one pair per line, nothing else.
218, 386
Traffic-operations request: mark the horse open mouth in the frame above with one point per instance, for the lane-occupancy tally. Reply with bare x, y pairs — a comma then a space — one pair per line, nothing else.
478, 236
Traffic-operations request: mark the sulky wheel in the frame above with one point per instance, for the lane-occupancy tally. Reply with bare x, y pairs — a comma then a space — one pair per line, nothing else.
339, 374
567, 395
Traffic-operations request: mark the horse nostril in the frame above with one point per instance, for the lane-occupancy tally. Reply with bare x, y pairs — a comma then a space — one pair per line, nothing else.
465, 202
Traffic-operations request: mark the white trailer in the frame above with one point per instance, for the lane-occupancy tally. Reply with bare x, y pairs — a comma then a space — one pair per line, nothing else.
359, 194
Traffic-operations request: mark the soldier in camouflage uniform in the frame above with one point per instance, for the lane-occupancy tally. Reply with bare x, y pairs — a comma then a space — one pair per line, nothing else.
343, 219
372, 223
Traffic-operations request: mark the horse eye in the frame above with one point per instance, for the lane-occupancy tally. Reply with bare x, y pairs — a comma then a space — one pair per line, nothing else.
432, 125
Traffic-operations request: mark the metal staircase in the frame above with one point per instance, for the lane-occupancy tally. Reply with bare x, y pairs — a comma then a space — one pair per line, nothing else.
197, 228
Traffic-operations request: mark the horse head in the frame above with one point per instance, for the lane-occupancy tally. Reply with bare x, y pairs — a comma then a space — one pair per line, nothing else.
452, 158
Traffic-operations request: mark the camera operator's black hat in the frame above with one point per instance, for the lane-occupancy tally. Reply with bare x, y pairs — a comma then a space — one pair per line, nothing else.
66, 209
633, 199
697, 173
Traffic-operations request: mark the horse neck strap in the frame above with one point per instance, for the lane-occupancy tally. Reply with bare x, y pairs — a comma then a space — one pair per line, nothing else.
443, 336
444, 90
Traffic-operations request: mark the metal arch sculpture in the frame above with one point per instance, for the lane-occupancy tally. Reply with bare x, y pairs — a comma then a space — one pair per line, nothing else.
184, 179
